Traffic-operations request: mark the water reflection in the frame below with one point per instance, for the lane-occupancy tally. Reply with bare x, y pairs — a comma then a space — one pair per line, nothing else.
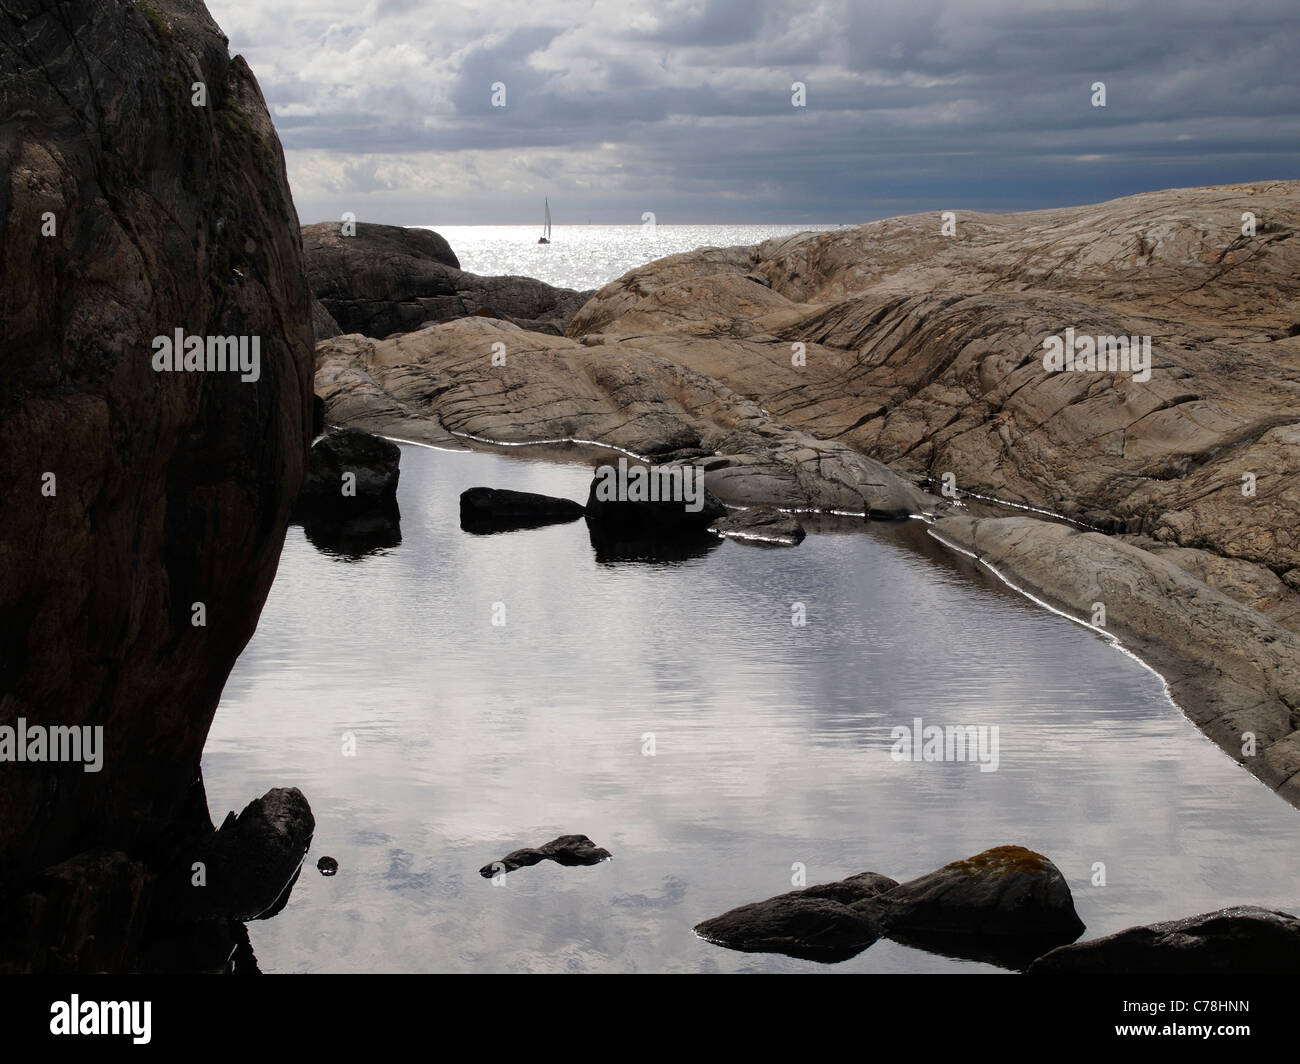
771, 742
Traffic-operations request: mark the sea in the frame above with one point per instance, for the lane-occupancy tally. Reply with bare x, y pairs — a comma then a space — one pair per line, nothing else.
589, 256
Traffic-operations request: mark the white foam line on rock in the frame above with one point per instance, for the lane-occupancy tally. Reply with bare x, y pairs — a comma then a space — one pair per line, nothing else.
1110, 637
421, 443
1030, 509
545, 443
785, 541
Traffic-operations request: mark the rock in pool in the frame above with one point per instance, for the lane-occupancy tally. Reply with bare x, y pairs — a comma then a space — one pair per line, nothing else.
762, 526
568, 850
817, 924
485, 510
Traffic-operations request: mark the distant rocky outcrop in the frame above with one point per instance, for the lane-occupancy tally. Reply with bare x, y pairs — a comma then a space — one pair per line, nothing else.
130, 497
1244, 939
567, 850
385, 279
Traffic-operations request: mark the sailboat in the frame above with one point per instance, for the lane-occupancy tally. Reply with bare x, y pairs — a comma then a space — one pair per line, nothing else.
547, 238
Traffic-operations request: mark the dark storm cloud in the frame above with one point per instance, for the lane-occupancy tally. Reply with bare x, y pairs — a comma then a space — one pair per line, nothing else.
911, 104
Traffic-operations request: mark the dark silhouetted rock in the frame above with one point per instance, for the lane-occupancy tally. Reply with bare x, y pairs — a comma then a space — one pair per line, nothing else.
327, 866
568, 850
172, 487
254, 858
501, 510
621, 499
1241, 940
1005, 906
816, 924
386, 279
317, 416
761, 525
372, 460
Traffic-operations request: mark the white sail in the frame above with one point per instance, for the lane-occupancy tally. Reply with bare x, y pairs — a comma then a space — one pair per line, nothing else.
548, 219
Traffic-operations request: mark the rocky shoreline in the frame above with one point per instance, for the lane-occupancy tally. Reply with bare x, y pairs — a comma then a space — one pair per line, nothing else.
889, 371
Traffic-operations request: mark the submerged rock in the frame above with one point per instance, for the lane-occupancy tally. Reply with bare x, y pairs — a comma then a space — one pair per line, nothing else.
568, 850
818, 923
761, 525
1244, 939
500, 510
327, 866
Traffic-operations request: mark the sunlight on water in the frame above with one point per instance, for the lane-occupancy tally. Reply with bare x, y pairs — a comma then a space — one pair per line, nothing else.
590, 256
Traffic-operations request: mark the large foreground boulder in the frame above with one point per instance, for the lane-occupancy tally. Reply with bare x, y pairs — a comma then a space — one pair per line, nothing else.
1241, 940
385, 279
133, 490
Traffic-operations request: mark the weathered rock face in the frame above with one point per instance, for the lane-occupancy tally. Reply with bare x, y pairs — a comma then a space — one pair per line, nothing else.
1238, 941
484, 510
568, 850
385, 279
162, 489
925, 351
439, 385
323, 325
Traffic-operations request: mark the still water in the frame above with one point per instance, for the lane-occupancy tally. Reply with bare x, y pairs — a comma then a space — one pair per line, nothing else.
771, 742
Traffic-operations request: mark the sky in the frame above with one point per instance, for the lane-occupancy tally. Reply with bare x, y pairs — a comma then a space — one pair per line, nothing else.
684, 108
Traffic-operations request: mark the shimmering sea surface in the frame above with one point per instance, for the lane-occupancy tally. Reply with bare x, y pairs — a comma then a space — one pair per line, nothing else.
589, 256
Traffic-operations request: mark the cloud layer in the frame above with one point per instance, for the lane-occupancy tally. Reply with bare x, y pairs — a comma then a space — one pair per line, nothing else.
683, 107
